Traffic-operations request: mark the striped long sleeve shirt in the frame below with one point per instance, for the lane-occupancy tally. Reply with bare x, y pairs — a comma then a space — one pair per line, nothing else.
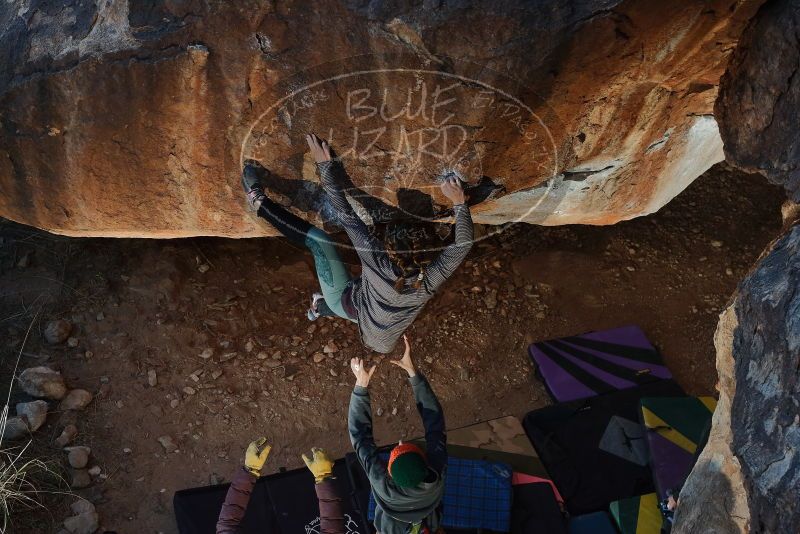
383, 313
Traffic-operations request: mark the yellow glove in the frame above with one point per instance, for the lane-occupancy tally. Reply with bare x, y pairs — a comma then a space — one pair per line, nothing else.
256, 456
320, 466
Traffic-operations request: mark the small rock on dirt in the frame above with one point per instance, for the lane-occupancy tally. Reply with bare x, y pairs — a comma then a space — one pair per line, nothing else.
80, 479
72, 342
152, 378
490, 299
81, 506
95, 470
76, 399
330, 348
57, 331
86, 523
228, 356
15, 429
67, 435
207, 353
318, 357
168, 443
35, 413
189, 390
78, 457
43, 382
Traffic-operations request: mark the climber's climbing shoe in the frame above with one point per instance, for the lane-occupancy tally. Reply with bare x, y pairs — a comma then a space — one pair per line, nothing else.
252, 174
313, 313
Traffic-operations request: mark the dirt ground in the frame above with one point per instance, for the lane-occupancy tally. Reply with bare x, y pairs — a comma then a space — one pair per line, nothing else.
143, 309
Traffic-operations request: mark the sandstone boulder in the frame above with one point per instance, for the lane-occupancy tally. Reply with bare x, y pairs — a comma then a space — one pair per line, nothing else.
760, 97
747, 479
133, 119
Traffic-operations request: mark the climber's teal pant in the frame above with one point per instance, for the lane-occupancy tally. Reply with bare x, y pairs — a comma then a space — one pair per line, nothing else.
331, 271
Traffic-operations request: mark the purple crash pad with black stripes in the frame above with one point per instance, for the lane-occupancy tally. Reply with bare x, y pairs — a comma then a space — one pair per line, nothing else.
577, 367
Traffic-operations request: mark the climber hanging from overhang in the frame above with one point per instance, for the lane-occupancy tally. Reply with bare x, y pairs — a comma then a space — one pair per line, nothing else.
394, 286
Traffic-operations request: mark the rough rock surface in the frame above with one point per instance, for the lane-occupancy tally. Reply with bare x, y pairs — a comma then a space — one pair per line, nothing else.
43, 382
132, 118
760, 97
748, 477
76, 399
34, 413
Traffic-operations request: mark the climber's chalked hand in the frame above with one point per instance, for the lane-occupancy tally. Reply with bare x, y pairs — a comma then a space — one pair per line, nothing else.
452, 189
320, 150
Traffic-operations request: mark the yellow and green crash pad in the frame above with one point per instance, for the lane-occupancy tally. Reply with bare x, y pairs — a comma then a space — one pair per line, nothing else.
637, 515
676, 428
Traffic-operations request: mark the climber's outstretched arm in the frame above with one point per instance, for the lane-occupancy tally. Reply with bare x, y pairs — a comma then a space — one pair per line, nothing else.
451, 257
331, 173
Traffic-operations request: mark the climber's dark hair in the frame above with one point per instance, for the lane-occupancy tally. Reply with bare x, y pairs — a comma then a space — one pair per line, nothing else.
405, 245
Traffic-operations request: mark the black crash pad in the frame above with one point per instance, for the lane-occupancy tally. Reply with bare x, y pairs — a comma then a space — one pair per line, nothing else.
595, 449
283, 503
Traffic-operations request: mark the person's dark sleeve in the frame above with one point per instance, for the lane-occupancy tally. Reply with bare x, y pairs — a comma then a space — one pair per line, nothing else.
371, 252
432, 420
451, 257
331, 517
236, 501
359, 425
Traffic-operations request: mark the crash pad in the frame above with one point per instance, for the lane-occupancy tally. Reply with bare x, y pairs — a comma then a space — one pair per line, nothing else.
598, 362
282, 503
535, 510
676, 427
637, 515
594, 449
594, 523
197, 509
498, 440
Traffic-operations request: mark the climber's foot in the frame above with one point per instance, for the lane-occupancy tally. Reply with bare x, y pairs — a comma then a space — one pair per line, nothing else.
313, 312
252, 176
